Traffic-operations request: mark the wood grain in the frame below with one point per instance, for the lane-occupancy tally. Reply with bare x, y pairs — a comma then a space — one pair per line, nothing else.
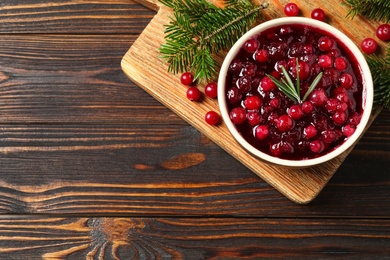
299, 185
72, 125
189, 238
73, 17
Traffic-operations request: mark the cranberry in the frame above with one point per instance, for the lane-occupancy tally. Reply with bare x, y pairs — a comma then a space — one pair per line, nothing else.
267, 84
348, 130
340, 63
244, 84
193, 93
212, 118
317, 146
249, 69
369, 45
276, 150
254, 117
383, 32
252, 102
325, 61
325, 43
237, 115
318, 14
328, 136
236, 66
211, 90
284, 123
331, 105
318, 97
261, 132
261, 56
295, 112
233, 95
339, 118
310, 132
346, 80
251, 45
355, 118
275, 102
291, 9
304, 70
186, 78
307, 107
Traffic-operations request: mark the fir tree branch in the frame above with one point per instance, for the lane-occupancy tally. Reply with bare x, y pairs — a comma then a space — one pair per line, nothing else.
380, 70
198, 30
378, 10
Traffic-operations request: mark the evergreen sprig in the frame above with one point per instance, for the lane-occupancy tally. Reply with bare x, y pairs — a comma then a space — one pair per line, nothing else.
380, 70
199, 29
378, 10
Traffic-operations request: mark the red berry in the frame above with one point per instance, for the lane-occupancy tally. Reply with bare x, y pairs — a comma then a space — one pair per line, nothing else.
369, 45
253, 102
317, 146
267, 84
211, 118
211, 90
291, 9
339, 118
233, 95
331, 105
276, 150
346, 80
325, 43
187, 78
318, 14
325, 61
310, 131
193, 93
251, 45
383, 32
340, 63
318, 97
253, 117
284, 123
275, 103
244, 84
262, 132
237, 115
304, 70
348, 130
328, 136
307, 107
261, 55
295, 112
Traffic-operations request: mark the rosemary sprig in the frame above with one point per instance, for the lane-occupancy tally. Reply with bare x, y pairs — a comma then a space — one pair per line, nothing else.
292, 91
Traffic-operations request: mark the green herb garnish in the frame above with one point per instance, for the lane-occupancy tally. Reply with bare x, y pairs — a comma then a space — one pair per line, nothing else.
292, 91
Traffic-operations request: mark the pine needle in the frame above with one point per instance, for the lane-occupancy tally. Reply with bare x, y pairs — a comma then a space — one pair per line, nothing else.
378, 10
380, 70
198, 30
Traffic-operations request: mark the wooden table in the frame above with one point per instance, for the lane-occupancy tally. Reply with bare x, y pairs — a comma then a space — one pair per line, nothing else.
94, 167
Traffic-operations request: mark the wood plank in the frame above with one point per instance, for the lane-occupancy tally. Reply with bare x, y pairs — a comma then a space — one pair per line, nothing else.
81, 83
158, 169
73, 17
192, 238
299, 185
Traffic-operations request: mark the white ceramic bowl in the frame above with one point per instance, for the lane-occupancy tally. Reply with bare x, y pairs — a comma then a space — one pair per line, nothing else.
368, 91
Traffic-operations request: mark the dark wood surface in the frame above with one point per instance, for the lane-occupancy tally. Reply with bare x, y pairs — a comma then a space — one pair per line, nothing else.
93, 167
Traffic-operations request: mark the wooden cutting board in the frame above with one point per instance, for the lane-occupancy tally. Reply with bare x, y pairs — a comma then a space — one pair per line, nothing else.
143, 66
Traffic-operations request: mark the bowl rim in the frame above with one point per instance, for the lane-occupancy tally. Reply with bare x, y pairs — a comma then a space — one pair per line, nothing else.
368, 91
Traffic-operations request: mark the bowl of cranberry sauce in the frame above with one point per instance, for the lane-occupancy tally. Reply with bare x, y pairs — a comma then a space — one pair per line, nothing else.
295, 92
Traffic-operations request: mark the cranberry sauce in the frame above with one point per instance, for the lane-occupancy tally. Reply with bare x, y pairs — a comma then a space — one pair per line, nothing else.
275, 124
